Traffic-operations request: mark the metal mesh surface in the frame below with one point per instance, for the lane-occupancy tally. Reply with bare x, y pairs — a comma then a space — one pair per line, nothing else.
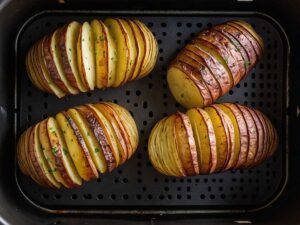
136, 185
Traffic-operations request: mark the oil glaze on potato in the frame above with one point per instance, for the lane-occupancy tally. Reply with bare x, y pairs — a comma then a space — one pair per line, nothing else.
80, 57
217, 138
214, 61
77, 144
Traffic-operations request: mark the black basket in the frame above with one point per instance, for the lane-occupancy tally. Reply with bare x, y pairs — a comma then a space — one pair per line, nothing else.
136, 190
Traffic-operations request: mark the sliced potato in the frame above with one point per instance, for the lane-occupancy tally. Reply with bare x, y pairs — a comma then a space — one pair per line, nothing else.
86, 56
101, 53
128, 124
120, 134
217, 65
30, 71
210, 80
90, 140
237, 140
219, 44
20, 155
52, 85
122, 54
221, 138
253, 136
186, 145
140, 47
133, 51
67, 41
185, 87
46, 146
61, 154
77, 147
203, 137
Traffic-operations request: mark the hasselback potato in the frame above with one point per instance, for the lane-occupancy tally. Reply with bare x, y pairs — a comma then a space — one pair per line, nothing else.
77, 144
213, 62
79, 57
220, 137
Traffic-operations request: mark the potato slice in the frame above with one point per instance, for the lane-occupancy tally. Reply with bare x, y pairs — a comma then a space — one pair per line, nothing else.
261, 136
140, 47
47, 150
56, 54
31, 71
244, 136
133, 49
120, 134
238, 48
20, 156
254, 43
148, 49
217, 65
77, 147
170, 151
122, 57
43, 70
194, 61
31, 169
154, 147
37, 159
67, 46
229, 131
39, 76
128, 124
98, 128
237, 140
90, 140
221, 138
219, 44
101, 53
186, 145
204, 135
253, 136
61, 154
185, 87
86, 56
270, 135
243, 41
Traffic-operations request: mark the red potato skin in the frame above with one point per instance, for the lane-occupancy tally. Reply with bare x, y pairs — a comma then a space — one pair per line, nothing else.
261, 136
120, 131
92, 173
50, 65
34, 161
244, 137
271, 135
97, 128
243, 40
191, 73
191, 141
64, 56
218, 42
229, 129
249, 36
59, 163
197, 62
253, 136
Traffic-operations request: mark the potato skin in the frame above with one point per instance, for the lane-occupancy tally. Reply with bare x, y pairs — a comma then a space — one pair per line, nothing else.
221, 57
232, 123
73, 164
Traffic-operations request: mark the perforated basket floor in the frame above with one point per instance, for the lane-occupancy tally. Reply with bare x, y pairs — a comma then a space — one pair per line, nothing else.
136, 187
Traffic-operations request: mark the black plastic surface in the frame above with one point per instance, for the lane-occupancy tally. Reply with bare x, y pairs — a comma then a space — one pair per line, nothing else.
136, 185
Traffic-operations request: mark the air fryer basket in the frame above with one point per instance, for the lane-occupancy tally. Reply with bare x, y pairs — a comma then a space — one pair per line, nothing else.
135, 188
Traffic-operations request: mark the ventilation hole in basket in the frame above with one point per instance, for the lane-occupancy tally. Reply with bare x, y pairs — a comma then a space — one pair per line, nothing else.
161, 197
125, 180
211, 196
100, 197
45, 105
45, 196
125, 197
128, 100
29, 93
223, 196
178, 42
57, 196
135, 104
149, 197
113, 197
164, 34
209, 25
155, 180
29, 108
45, 115
139, 172
159, 41
209, 188
60, 24
163, 24
178, 196
245, 84
28, 118
179, 24
246, 94
220, 188
74, 196
150, 24
87, 196
116, 180
186, 41
231, 92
